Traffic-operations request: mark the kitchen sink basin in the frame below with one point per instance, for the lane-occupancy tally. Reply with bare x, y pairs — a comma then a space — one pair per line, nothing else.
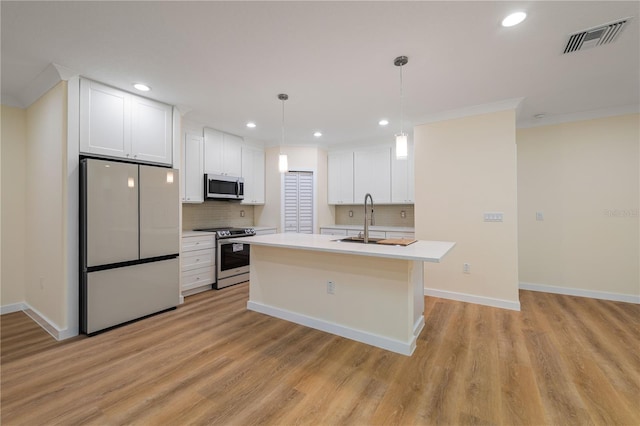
358, 240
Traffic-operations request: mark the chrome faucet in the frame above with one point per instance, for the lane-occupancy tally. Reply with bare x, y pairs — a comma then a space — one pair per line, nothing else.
366, 223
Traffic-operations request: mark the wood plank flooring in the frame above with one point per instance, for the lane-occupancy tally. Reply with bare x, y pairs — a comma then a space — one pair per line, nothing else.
561, 360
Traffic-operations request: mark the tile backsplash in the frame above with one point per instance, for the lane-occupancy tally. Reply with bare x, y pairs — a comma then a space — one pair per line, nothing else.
385, 215
213, 214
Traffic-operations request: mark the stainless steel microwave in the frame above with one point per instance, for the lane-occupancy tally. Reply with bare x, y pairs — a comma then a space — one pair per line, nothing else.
222, 187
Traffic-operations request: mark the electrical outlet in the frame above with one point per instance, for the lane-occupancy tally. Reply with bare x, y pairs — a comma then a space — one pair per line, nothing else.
493, 216
241, 213
331, 287
539, 216
466, 268
350, 213
403, 214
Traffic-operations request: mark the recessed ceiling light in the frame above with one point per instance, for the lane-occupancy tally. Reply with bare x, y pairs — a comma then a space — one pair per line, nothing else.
142, 87
383, 122
251, 124
317, 134
513, 19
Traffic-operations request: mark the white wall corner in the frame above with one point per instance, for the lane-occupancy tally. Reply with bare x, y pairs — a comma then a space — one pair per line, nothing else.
470, 298
47, 79
568, 291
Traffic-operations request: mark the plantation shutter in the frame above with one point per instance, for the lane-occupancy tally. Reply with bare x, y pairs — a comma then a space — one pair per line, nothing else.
298, 202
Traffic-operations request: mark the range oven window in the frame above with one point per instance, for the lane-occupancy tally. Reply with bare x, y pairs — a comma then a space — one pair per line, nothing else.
234, 255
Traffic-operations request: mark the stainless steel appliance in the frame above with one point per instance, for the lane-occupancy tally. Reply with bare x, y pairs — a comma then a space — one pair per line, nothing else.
129, 242
232, 256
219, 187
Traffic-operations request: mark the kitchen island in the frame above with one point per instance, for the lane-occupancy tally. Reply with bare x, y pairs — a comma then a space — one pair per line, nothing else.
366, 292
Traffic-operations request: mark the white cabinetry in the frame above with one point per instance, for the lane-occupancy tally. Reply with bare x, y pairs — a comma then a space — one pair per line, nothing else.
372, 174
340, 179
402, 183
350, 230
118, 124
253, 174
192, 169
222, 153
198, 263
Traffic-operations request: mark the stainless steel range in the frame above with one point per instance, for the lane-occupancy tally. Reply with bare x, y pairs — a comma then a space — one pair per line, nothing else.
232, 257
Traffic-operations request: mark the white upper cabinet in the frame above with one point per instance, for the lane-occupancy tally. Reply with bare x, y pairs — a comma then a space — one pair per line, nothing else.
372, 174
193, 169
340, 177
151, 125
222, 153
253, 174
402, 181
117, 124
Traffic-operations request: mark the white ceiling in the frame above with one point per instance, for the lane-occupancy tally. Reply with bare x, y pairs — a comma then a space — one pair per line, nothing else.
223, 63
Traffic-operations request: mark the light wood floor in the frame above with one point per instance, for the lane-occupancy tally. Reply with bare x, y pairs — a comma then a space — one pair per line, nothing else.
562, 360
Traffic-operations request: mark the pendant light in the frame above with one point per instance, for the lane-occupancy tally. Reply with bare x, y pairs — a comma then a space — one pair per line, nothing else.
283, 162
401, 138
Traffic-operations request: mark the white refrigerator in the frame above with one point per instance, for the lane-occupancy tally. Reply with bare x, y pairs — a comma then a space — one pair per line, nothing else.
129, 242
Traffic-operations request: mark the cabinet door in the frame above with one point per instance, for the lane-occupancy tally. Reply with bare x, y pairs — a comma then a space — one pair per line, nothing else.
253, 174
372, 174
151, 131
402, 184
213, 147
193, 170
340, 176
232, 155
105, 124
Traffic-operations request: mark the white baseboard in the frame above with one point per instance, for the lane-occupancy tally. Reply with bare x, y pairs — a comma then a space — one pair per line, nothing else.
569, 291
470, 298
13, 307
397, 346
40, 319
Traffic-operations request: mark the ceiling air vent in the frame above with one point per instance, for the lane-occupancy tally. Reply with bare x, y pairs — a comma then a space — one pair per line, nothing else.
596, 36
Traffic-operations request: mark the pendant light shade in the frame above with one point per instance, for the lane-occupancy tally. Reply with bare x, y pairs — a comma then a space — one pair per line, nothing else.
401, 138
401, 146
283, 161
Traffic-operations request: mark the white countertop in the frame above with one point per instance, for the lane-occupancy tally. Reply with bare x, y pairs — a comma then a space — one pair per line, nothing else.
426, 251
372, 228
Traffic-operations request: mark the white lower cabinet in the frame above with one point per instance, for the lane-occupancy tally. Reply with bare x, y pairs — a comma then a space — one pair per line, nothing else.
351, 232
198, 263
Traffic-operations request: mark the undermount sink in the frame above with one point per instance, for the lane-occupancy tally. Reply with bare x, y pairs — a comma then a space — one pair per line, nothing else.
358, 240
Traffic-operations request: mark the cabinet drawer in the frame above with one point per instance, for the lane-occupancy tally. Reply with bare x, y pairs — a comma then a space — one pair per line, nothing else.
331, 231
199, 242
197, 278
372, 234
197, 259
400, 234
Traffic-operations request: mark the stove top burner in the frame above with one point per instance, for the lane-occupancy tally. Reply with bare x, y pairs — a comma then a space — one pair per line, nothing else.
228, 232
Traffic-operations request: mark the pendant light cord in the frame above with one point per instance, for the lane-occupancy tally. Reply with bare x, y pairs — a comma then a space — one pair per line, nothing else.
282, 142
401, 99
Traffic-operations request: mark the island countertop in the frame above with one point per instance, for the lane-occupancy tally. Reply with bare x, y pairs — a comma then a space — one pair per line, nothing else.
422, 250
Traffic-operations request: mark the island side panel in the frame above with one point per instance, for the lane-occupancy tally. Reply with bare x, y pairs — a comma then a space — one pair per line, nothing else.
373, 295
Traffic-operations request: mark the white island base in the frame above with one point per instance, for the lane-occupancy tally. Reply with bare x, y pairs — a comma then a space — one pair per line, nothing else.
378, 295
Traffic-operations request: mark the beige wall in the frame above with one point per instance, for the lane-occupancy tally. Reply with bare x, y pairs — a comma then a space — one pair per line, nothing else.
584, 178
465, 167
14, 199
46, 171
300, 159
